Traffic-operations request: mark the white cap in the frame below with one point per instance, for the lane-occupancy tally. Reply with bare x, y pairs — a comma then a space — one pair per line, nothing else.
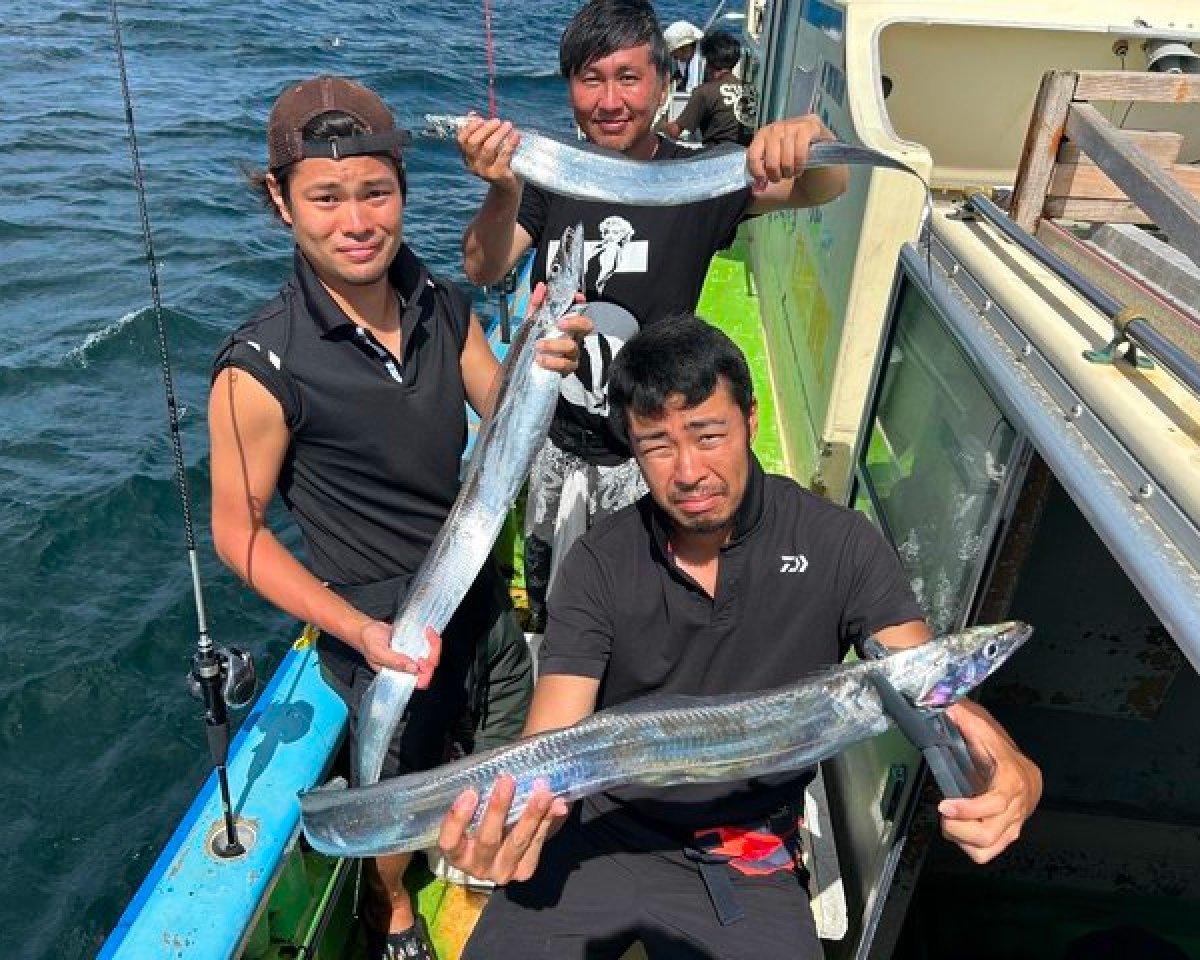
681, 33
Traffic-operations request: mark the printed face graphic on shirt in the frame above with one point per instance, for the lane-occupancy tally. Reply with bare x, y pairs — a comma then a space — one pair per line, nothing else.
587, 387
616, 251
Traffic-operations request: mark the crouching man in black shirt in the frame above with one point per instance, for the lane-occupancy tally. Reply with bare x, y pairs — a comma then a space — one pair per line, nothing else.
685, 592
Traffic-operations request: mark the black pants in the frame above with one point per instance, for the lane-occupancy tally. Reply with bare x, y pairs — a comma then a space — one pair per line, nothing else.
592, 897
480, 691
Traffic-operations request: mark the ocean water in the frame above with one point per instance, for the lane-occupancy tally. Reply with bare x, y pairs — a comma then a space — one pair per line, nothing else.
101, 748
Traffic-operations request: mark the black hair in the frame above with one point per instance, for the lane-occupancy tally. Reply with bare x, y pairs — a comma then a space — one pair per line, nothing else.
324, 126
602, 27
721, 50
679, 355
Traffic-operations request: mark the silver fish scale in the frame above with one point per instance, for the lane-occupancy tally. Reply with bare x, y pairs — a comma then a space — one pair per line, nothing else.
662, 741
504, 450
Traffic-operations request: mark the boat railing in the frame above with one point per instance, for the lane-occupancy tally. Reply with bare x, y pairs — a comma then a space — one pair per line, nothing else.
1129, 326
1075, 165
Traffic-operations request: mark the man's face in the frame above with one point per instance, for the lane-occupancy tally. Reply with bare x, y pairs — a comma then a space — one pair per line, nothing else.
696, 460
684, 54
615, 99
346, 216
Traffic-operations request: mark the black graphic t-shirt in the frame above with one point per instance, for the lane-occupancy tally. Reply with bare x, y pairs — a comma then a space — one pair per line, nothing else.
651, 261
722, 111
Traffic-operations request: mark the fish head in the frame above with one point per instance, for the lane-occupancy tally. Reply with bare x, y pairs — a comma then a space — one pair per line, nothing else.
564, 275
959, 662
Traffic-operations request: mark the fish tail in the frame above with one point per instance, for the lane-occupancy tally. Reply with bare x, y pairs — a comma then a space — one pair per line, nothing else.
443, 126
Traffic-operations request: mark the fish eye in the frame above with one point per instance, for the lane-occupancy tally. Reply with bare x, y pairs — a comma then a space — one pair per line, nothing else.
991, 650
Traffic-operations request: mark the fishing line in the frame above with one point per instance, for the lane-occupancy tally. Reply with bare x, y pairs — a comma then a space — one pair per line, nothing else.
491, 60
219, 677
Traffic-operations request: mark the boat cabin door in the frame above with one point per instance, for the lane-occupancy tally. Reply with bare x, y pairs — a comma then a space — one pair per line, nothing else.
937, 468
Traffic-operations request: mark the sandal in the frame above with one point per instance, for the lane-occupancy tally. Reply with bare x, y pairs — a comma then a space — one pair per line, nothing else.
410, 944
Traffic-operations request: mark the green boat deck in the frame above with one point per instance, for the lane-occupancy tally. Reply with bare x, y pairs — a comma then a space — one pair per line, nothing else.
729, 302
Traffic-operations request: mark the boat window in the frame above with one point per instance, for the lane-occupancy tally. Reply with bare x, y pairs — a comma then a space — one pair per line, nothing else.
935, 460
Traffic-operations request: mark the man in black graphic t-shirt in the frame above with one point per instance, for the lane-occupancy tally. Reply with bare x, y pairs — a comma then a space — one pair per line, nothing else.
617, 68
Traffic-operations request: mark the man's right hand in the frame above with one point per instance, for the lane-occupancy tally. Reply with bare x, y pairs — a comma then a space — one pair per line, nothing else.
492, 852
487, 147
375, 644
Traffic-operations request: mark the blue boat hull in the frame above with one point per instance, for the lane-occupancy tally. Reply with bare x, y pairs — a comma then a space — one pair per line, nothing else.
197, 906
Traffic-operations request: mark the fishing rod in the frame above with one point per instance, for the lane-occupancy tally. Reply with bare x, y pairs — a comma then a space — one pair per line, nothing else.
219, 677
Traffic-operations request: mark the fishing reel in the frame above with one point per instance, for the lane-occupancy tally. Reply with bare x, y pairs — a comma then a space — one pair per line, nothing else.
236, 677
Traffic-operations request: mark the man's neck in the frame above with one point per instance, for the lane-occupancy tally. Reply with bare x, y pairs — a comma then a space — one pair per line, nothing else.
699, 555
374, 305
644, 149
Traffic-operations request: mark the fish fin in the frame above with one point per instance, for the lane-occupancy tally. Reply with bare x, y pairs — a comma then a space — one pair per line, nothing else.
655, 702
371, 747
723, 148
322, 790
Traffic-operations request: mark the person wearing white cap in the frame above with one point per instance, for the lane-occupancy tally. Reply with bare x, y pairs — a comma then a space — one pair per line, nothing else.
687, 70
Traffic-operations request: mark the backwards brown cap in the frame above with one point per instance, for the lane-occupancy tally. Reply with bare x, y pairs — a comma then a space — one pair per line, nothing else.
301, 102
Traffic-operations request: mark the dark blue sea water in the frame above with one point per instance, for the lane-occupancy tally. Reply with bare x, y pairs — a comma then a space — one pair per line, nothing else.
100, 747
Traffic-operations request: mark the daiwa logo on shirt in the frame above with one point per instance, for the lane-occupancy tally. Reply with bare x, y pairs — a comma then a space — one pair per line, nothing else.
793, 564
617, 251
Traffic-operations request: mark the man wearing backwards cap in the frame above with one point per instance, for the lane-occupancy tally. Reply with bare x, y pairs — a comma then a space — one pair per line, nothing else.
345, 394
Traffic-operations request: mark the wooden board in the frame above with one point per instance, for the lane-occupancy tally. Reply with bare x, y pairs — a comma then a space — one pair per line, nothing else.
1162, 146
1094, 211
1088, 181
1131, 85
1172, 206
1041, 146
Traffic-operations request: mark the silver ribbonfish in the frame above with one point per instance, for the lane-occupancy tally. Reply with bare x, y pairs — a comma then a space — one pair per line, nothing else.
503, 454
582, 170
664, 740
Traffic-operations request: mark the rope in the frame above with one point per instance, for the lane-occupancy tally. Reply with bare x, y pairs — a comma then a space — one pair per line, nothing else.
491, 63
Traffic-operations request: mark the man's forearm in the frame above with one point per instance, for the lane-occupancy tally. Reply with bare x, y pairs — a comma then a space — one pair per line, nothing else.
819, 185
276, 575
488, 241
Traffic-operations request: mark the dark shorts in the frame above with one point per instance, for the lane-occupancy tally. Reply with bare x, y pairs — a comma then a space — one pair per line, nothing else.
593, 895
479, 695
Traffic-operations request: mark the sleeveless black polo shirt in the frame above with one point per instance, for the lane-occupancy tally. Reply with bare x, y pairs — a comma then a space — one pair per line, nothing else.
373, 466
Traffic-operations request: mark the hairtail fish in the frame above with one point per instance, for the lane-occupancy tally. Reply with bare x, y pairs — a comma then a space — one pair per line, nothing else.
664, 740
585, 171
504, 450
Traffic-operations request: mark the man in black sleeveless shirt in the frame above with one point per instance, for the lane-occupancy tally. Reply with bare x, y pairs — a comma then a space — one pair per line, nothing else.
650, 261
683, 593
346, 395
